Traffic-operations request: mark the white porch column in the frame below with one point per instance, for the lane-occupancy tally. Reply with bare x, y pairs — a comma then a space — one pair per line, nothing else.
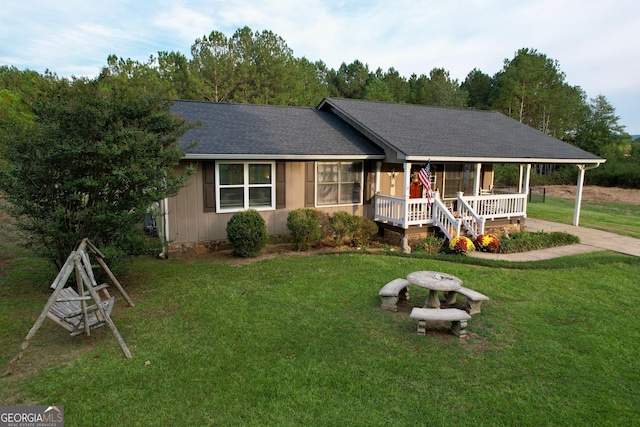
576, 211
405, 195
527, 180
581, 170
376, 189
407, 182
520, 176
476, 186
406, 168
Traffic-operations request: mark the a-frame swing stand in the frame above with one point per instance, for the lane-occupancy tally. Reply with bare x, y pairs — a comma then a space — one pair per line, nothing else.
68, 307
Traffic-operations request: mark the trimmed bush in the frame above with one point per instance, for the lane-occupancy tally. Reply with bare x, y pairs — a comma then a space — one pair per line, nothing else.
304, 226
365, 232
247, 233
342, 227
431, 245
528, 241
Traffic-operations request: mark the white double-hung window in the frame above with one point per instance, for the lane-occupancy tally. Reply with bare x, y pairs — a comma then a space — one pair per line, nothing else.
245, 185
339, 183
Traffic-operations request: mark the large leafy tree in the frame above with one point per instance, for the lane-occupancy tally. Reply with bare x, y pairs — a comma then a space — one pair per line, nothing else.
215, 67
419, 92
531, 89
377, 90
397, 87
97, 154
251, 67
174, 68
445, 91
600, 130
479, 86
307, 88
350, 81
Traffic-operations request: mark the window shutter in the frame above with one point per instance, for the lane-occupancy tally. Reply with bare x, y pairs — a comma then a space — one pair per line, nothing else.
309, 185
209, 174
281, 195
368, 185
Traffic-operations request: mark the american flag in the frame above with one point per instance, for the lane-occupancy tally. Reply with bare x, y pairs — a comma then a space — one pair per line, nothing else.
425, 178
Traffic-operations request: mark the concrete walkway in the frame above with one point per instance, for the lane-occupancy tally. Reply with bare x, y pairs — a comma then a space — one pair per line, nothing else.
591, 240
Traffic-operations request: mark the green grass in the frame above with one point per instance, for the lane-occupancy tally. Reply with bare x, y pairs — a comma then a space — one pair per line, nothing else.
301, 340
617, 218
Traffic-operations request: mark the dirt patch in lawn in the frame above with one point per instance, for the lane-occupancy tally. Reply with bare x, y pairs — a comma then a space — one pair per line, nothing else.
275, 250
594, 193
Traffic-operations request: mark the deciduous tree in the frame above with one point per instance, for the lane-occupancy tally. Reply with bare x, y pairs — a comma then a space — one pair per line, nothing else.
479, 86
445, 91
97, 155
531, 89
601, 129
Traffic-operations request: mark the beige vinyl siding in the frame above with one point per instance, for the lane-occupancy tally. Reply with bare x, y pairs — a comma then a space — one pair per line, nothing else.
190, 223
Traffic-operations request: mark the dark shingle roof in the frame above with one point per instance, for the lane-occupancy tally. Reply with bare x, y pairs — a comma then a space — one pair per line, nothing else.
267, 131
418, 132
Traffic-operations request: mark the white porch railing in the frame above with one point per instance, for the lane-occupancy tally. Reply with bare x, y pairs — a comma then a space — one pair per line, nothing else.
469, 219
392, 210
473, 211
498, 205
444, 219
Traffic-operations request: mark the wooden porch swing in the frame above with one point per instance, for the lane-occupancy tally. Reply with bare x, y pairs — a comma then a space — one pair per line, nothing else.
82, 310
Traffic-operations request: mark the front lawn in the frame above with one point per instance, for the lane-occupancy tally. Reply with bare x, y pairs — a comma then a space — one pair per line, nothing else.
301, 340
616, 218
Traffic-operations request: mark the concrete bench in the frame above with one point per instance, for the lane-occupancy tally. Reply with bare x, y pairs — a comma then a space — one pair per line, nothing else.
457, 317
394, 291
474, 299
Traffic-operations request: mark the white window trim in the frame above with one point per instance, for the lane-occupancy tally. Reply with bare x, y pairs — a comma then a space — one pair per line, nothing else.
246, 186
340, 204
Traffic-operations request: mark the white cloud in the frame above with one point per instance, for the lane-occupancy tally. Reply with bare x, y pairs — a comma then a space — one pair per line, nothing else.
183, 23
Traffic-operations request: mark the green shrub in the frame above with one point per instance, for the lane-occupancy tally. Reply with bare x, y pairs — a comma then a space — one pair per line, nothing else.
304, 226
365, 231
506, 174
525, 241
615, 173
247, 233
562, 175
324, 219
133, 244
343, 227
431, 245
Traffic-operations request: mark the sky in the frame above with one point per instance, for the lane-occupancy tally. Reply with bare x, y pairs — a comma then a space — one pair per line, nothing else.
596, 42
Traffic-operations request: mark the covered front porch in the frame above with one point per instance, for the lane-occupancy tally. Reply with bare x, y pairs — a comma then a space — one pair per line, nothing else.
466, 214
462, 200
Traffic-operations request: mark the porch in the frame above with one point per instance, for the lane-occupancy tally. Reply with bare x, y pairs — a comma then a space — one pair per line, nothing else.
465, 214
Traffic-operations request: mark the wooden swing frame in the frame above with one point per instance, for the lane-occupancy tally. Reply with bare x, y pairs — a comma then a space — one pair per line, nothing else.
68, 307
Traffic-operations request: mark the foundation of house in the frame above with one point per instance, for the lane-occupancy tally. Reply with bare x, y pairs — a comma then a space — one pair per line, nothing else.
401, 237
409, 237
186, 250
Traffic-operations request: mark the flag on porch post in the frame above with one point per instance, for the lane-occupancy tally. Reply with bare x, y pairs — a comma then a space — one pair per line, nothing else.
425, 178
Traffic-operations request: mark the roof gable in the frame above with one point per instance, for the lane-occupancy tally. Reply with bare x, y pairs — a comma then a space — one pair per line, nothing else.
418, 132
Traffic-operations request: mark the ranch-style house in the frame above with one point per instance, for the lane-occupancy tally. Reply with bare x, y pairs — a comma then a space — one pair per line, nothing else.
356, 156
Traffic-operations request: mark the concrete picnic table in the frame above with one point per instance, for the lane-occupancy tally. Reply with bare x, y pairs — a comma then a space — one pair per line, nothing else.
434, 281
